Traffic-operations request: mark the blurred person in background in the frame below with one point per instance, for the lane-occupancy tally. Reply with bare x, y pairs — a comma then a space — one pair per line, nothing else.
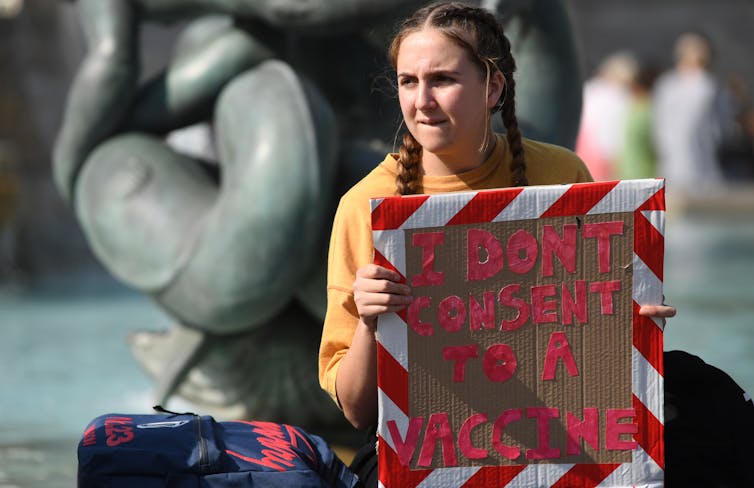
607, 98
736, 150
8, 207
687, 123
638, 155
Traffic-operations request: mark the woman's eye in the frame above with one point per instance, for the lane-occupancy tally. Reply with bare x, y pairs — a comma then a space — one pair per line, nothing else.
406, 81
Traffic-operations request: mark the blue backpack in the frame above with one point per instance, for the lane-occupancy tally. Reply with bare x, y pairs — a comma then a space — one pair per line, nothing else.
192, 451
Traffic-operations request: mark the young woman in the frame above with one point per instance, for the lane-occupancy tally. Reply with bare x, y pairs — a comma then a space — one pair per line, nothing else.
454, 71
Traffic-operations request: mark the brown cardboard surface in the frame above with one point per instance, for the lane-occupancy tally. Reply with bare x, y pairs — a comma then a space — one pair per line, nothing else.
601, 346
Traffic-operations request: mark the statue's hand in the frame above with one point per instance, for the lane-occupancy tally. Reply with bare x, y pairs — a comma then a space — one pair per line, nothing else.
313, 14
290, 12
509, 8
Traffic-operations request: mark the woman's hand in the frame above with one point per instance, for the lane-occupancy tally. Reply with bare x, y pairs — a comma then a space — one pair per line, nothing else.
661, 312
378, 290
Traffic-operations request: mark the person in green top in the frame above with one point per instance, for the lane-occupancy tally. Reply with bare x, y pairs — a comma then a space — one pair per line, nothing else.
638, 156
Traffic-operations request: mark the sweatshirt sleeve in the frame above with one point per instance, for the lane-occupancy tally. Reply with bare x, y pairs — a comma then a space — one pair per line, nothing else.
350, 249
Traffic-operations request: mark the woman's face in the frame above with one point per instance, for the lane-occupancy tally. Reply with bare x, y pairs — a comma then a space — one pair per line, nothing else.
444, 101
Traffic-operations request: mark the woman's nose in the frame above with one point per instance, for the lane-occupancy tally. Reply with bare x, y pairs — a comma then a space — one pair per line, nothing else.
424, 97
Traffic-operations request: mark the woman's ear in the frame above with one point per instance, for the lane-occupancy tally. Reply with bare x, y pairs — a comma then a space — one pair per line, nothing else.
495, 88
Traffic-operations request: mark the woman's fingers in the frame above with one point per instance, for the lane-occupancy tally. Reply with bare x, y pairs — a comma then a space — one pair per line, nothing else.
377, 290
379, 303
367, 285
658, 311
376, 272
371, 303
376, 279
661, 312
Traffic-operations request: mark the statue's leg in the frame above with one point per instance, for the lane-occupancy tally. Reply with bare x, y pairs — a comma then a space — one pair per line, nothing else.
141, 206
169, 356
276, 138
263, 374
102, 89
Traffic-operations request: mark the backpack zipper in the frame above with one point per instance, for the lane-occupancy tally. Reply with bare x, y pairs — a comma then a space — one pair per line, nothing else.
203, 454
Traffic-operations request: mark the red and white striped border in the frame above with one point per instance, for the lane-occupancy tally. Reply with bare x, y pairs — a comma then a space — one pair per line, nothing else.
392, 216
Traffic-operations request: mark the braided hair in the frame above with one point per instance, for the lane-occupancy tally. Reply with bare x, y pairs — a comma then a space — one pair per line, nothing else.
478, 32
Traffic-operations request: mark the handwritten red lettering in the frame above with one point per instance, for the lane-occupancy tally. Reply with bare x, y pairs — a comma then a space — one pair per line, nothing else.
587, 429
464, 437
438, 428
522, 252
559, 348
507, 298
428, 242
544, 310
459, 354
614, 428
501, 422
499, 363
421, 328
564, 249
603, 231
405, 448
450, 437
570, 307
543, 416
482, 316
484, 255
452, 313
606, 290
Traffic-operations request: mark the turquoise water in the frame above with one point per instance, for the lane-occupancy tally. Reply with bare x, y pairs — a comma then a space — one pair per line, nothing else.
65, 360
709, 277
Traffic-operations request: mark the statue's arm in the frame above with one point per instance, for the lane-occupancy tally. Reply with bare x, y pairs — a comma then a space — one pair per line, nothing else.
293, 14
105, 98
102, 88
210, 52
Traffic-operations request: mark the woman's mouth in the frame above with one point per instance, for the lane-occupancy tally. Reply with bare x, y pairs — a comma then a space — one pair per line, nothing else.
431, 122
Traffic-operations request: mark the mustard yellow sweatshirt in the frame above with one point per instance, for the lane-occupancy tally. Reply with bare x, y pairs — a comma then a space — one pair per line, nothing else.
351, 240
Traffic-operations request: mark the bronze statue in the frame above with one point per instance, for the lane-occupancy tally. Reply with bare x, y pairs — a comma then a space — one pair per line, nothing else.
233, 246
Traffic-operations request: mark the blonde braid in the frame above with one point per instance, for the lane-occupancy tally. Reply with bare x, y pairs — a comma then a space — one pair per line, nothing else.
507, 66
409, 164
508, 114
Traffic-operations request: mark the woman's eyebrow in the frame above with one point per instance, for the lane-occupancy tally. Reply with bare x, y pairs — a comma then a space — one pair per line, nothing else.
433, 73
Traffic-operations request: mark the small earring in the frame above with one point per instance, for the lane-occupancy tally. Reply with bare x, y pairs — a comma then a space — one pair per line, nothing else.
501, 101
397, 131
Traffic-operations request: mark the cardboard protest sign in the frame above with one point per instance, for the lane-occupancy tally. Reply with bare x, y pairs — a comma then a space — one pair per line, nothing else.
522, 360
